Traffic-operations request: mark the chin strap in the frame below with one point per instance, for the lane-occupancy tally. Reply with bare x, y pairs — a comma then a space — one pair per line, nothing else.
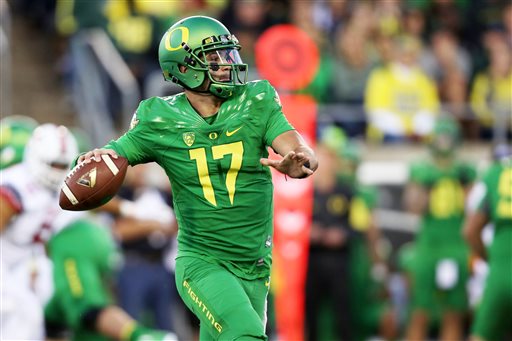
202, 92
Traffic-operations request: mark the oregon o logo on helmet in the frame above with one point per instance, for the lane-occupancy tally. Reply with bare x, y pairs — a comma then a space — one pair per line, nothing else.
184, 38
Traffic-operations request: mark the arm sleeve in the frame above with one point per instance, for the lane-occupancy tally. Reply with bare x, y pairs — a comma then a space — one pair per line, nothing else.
418, 174
136, 144
276, 120
476, 200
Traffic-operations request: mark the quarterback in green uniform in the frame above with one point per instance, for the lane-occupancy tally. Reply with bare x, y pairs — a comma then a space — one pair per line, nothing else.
491, 201
212, 142
436, 192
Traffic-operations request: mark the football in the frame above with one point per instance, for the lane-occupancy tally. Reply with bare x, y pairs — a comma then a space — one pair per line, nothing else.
90, 185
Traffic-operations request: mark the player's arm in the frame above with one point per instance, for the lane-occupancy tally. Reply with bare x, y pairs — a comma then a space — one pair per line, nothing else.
476, 219
9, 207
473, 226
415, 198
6, 213
299, 160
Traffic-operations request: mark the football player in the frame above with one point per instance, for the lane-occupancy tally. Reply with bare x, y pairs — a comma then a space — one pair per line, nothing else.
491, 201
28, 195
30, 215
343, 248
212, 141
436, 192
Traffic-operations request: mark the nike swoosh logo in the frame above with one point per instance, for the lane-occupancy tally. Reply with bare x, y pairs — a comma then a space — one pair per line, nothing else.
229, 133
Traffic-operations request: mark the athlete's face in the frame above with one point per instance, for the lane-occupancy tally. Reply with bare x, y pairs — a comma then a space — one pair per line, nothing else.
219, 62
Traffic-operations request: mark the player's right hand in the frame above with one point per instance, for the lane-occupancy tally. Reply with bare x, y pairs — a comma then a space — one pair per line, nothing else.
95, 155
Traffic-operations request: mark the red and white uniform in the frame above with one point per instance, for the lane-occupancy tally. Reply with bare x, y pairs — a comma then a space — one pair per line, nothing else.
26, 281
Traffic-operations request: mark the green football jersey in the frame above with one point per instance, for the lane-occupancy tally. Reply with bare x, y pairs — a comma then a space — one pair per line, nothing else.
496, 201
441, 223
223, 196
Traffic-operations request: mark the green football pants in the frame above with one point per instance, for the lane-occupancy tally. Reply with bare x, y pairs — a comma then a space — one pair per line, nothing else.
228, 307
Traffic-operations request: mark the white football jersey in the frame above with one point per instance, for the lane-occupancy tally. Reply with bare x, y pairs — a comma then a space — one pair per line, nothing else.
37, 206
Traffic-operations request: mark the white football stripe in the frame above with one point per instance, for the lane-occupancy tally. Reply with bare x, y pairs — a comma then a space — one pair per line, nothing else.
69, 194
110, 164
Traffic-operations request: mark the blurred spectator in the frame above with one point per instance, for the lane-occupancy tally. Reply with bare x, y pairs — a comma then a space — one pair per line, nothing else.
331, 16
449, 64
491, 92
136, 28
447, 15
436, 192
400, 100
388, 17
447, 54
507, 23
89, 83
302, 16
145, 284
355, 57
414, 23
247, 20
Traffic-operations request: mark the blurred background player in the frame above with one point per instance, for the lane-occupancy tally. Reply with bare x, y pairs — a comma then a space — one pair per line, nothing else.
145, 284
28, 207
491, 201
342, 297
82, 302
30, 216
436, 192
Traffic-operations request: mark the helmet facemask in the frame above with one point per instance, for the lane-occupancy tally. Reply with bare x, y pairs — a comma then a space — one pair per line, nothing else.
218, 58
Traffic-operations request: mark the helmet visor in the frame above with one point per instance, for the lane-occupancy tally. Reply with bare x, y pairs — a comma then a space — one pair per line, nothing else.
226, 66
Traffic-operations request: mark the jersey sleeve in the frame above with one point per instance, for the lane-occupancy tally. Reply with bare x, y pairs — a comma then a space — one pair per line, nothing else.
467, 174
136, 143
276, 121
419, 174
477, 198
361, 208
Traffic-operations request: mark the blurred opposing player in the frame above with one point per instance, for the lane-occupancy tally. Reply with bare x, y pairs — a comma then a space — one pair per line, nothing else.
212, 141
82, 302
491, 201
436, 191
29, 216
28, 195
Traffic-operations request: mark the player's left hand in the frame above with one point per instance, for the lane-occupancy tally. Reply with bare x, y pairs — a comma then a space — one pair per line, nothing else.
292, 164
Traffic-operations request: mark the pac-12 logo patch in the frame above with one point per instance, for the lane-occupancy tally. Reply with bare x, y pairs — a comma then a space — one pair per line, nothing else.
189, 138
